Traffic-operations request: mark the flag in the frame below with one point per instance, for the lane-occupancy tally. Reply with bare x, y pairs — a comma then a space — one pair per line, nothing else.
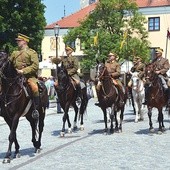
168, 34
95, 39
124, 39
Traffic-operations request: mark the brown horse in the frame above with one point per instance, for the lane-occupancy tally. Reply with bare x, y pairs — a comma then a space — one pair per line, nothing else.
109, 97
156, 97
68, 95
16, 102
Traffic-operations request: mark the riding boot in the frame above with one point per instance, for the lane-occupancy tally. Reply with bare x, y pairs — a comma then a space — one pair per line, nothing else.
35, 113
121, 94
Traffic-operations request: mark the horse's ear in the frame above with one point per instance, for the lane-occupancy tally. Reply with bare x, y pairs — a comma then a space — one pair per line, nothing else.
7, 49
103, 61
62, 65
97, 61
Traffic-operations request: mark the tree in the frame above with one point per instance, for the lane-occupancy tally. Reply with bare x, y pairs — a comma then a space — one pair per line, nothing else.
26, 17
116, 26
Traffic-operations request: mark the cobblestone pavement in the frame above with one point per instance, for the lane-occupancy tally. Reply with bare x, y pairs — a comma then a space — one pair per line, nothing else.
133, 149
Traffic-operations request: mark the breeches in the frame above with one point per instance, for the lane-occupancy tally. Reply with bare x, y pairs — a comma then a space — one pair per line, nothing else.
32, 82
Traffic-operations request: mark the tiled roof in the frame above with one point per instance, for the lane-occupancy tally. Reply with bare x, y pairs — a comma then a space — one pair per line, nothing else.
152, 3
72, 20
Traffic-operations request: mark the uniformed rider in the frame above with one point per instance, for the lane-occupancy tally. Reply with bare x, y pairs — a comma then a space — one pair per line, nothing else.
70, 62
138, 66
26, 62
162, 66
114, 70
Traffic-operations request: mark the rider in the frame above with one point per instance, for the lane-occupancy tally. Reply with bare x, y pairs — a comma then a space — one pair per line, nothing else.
138, 66
70, 62
162, 66
26, 62
114, 70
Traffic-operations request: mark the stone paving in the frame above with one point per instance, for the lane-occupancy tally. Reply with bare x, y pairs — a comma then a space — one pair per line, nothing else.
133, 149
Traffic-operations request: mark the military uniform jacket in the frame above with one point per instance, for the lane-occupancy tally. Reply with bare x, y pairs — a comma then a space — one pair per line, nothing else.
162, 65
139, 67
69, 62
27, 60
113, 68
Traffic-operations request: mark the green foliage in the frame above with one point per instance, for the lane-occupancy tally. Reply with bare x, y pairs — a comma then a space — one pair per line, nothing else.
110, 20
26, 17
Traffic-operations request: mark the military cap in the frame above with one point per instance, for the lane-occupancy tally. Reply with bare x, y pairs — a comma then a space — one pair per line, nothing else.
136, 58
22, 37
111, 54
159, 50
69, 48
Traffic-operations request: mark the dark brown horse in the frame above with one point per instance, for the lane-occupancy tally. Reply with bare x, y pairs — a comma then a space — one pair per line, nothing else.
16, 102
68, 94
109, 97
156, 97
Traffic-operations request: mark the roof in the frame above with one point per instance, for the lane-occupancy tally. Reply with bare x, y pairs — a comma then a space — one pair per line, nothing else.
73, 20
152, 3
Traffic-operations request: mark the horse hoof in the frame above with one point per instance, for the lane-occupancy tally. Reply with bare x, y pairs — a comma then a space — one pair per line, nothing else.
160, 132
151, 130
6, 160
81, 127
38, 150
75, 128
17, 155
69, 130
136, 121
62, 134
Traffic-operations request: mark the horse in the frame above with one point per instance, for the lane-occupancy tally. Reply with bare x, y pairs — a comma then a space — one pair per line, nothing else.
138, 94
109, 97
16, 102
156, 97
69, 96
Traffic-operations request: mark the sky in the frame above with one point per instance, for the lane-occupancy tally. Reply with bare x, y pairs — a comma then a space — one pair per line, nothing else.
55, 9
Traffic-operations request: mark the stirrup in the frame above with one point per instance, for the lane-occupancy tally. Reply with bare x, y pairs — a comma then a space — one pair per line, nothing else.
35, 114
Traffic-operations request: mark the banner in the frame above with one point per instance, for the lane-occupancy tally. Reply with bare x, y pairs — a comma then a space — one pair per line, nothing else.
124, 39
95, 40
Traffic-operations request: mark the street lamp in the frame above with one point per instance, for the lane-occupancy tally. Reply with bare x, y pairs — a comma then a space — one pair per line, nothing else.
56, 32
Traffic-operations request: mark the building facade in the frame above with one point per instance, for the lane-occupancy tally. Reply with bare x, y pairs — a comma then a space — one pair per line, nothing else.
157, 13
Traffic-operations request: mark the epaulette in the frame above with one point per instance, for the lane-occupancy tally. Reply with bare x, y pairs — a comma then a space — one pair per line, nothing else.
32, 50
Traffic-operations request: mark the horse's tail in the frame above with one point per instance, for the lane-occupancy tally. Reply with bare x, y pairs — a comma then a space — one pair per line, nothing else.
84, 101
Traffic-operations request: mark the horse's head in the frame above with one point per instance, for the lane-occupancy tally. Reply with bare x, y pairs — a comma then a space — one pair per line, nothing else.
6, 67
63, 77
135, 80
150, 72
3, 59
100, 70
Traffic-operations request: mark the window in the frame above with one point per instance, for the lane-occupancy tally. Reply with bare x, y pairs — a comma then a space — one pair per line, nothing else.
91, 1
154, 24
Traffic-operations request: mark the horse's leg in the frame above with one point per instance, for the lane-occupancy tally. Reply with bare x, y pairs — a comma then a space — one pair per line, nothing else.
121, 118
105, 120
41, 128
151, 129
113, 115
116, 121
13, 124
33, 128
160, 120
83, 107
75, 117
66, 117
